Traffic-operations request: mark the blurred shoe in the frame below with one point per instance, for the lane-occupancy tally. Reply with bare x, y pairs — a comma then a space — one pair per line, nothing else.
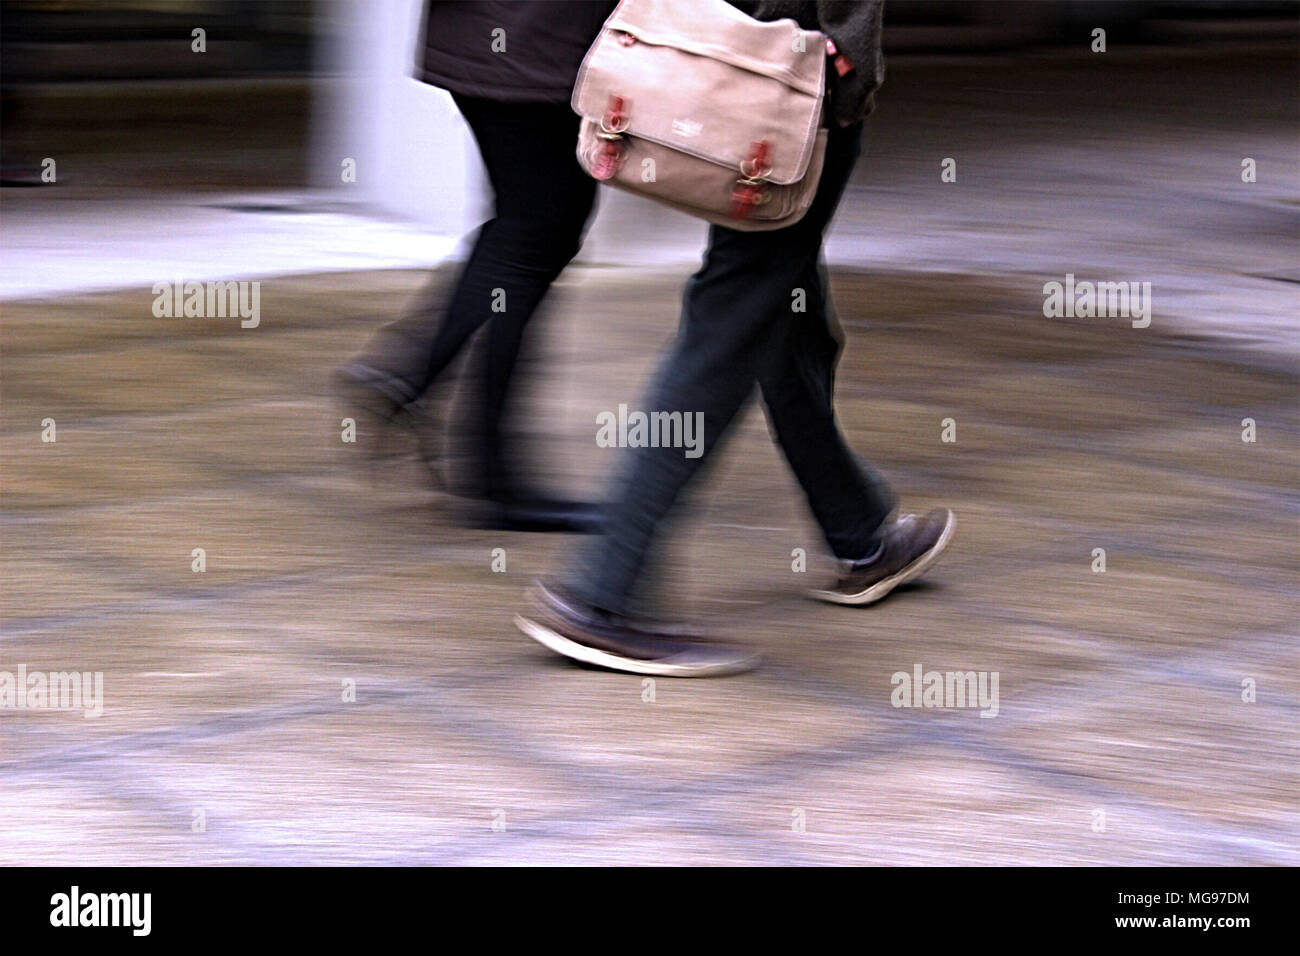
381, 404
584, 633
370, 395
386, 393
20, 174
908, 547
21, 178
538, 513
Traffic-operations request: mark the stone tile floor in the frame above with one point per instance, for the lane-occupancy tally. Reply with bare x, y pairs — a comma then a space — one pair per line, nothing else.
1120, 692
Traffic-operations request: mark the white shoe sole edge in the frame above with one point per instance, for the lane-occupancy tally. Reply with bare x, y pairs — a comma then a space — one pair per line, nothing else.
881, 588
631, 665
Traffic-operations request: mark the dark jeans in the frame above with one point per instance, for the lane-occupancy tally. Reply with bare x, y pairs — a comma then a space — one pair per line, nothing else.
739, 328
543, 202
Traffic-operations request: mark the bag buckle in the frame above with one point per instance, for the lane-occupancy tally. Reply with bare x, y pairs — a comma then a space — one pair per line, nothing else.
608, 157
749, 192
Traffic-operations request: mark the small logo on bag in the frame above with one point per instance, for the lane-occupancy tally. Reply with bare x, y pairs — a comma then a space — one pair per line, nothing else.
686, 128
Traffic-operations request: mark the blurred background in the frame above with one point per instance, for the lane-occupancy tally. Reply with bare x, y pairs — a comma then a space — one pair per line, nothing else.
1123, 691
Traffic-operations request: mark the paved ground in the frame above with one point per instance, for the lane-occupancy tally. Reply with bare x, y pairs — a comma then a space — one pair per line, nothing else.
1120, 692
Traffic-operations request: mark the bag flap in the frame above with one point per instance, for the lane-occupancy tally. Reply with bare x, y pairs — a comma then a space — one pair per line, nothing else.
716, 29
701, 77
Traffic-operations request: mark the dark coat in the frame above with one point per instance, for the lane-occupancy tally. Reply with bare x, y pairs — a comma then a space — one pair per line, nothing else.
855, 26
545, 41
544, 46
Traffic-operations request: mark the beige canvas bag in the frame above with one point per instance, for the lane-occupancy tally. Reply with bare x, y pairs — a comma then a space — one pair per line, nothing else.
698, 106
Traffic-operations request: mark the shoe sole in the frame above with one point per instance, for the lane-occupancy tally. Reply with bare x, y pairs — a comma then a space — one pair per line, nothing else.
880, 589
589, 655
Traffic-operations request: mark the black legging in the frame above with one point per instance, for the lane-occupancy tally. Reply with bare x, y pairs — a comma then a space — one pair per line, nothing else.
542, 202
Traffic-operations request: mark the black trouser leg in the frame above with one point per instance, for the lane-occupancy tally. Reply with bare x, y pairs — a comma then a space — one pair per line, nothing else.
797, 379
543, 201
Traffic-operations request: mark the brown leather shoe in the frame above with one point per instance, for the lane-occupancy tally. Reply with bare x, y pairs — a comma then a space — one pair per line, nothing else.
585, 633
908, 547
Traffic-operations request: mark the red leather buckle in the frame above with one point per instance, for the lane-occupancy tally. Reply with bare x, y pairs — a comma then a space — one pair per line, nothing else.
609, 156
749, 191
